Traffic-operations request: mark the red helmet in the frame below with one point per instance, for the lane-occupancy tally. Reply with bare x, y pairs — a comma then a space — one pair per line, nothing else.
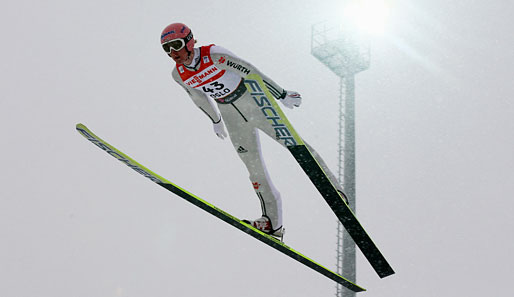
176, 36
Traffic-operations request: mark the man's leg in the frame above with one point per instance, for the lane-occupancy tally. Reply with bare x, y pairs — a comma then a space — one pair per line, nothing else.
245, 139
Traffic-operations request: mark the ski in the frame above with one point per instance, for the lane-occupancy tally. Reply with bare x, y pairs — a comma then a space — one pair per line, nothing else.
224, 216
318, 177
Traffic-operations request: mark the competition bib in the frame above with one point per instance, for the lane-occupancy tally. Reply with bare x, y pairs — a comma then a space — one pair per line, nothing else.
211, 80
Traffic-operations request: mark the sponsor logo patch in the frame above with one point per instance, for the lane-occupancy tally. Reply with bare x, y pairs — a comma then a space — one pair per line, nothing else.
238, 67
203, 76
167, 33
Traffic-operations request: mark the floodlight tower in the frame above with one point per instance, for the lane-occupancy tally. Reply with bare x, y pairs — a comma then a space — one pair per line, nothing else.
346, 55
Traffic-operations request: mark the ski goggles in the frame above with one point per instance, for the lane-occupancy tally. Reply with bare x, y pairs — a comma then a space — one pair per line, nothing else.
177, 44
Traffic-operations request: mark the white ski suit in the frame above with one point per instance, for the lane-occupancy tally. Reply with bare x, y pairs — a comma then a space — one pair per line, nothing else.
218, 75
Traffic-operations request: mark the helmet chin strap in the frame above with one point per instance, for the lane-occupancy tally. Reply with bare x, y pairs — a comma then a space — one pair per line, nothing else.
190, 54
188, 51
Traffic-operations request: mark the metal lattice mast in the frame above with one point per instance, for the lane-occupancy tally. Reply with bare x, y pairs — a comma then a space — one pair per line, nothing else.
345, 56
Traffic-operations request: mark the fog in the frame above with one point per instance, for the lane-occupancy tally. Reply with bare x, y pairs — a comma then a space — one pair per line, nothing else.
434, 138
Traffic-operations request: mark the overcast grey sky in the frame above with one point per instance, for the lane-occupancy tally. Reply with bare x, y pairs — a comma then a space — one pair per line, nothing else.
434, 151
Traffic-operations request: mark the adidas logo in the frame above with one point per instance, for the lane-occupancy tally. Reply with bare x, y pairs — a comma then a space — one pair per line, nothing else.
242, 150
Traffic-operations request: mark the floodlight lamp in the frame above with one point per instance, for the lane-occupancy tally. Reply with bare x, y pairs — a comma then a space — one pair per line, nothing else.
366, 16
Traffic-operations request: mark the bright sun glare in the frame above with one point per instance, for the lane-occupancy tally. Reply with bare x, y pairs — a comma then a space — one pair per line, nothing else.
367, 16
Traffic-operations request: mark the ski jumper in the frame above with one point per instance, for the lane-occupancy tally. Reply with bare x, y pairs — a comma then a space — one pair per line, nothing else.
217, 75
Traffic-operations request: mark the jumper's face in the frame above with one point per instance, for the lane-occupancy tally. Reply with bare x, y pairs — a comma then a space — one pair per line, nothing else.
180, 56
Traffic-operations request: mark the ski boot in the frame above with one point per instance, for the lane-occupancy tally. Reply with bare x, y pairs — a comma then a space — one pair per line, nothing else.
264, 224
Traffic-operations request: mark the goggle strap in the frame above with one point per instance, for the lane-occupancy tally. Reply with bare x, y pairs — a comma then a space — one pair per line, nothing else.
189, 36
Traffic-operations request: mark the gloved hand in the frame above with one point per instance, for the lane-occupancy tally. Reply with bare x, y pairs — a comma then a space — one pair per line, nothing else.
292, 99
219, 129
